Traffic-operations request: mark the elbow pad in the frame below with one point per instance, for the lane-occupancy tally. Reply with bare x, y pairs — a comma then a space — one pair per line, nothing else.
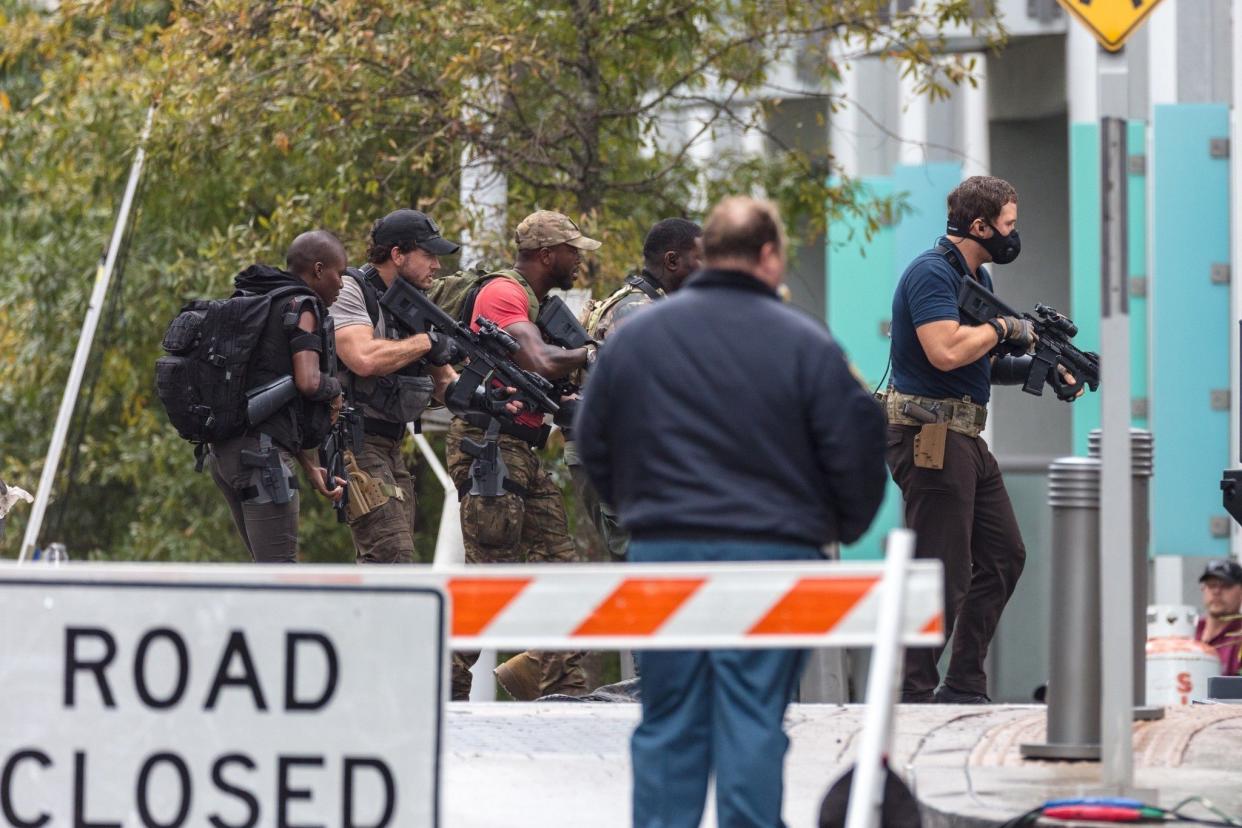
329, 389
1010, 370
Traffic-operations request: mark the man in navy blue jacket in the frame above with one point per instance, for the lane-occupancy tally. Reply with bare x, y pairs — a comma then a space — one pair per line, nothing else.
726, 426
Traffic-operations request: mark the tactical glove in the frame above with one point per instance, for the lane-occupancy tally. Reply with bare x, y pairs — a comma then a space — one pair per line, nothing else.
444, 349
1019, 332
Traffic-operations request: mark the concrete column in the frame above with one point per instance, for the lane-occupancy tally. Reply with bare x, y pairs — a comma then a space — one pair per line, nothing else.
912, 124
1081, 53
976, 143
843, 124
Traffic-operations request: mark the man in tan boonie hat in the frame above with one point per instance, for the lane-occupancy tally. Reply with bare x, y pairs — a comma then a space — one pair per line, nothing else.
526, 523
547, 228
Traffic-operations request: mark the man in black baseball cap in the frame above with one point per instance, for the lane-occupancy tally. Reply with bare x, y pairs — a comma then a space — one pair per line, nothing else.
1221, 625
405, 228
391, 376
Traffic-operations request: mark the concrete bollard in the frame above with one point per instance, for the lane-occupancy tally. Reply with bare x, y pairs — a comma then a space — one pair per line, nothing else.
1074, 674
1142, 466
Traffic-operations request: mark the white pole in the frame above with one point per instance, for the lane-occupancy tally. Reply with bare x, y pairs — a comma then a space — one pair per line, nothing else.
103, 275
867, 789
450, 546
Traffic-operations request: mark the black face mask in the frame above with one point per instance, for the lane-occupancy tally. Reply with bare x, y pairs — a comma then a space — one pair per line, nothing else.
1002, 249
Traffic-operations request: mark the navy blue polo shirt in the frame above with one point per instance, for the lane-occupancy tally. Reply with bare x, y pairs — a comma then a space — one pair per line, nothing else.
927, 292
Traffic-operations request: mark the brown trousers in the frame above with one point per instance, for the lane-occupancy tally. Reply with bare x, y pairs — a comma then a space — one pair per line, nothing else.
514, 529
961, 516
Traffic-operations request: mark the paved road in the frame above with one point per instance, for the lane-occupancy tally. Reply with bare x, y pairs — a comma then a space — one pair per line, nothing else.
554, 765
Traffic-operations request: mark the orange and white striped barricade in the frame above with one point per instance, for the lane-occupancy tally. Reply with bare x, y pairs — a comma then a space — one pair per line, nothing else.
685, 606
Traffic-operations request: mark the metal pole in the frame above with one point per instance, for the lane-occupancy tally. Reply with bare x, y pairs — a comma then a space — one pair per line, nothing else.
1116, 546
867, 789
1142, 455
103, 275
1074, 672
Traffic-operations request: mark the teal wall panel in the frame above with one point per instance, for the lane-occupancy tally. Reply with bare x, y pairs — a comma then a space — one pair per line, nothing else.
861, 277
860, 291
925, 188
1190, 327
1085, 265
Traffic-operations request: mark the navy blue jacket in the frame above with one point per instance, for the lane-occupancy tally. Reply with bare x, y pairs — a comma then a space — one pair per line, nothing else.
721, 412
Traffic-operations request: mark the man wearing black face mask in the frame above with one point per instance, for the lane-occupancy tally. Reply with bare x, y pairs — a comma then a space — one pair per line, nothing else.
955, 499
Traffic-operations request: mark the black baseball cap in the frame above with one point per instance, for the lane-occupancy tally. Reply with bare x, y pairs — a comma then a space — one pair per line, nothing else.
1228, 571
401, 227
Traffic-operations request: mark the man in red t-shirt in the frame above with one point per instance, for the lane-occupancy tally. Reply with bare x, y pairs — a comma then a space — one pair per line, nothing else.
1221, 625
527, 522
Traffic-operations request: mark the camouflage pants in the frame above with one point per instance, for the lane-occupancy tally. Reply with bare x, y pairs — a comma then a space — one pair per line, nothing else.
514, 529
385, 533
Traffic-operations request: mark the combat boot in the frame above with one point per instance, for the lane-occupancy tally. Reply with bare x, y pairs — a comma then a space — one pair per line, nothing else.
519, 676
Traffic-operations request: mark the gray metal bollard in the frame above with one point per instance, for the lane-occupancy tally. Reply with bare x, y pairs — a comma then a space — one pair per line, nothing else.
1142, 466
1074, 674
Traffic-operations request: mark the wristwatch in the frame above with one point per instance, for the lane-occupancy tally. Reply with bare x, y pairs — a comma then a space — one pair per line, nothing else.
999, 328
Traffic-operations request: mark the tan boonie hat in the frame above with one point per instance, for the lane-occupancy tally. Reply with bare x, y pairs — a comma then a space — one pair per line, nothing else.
547, 228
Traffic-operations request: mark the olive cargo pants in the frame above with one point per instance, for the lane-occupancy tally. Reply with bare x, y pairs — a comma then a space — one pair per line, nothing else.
385, 534
514, 529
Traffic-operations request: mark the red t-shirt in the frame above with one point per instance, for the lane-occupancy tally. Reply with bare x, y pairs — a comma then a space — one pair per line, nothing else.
504, 302
1228, 643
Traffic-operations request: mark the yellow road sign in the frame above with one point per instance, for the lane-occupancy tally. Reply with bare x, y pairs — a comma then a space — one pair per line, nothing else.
1111, 21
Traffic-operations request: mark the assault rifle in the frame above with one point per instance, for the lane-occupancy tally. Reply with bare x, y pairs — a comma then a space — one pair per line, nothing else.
1053, 349
346, 433
560, 326
490, 352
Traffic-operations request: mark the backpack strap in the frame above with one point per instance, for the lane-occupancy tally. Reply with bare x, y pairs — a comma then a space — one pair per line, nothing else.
640, 282
366, 277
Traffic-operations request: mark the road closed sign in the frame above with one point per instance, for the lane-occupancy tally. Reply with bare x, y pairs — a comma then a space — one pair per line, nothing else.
162, 697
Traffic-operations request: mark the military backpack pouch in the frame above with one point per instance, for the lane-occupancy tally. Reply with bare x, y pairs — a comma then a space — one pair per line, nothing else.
929, 446
413, 396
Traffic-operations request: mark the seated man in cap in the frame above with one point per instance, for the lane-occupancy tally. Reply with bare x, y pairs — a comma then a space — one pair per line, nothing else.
391, 376
1221, 625
527, 522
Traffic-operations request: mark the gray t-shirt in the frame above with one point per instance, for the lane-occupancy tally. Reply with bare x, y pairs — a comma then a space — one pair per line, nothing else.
350, 308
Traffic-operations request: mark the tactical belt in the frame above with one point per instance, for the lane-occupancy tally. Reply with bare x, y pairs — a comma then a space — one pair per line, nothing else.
383, 428
961, 415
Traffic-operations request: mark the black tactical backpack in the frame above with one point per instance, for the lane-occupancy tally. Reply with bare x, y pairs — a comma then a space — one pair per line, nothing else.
203, 380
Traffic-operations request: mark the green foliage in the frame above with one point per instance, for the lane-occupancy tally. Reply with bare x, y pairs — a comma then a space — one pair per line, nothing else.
277, 117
